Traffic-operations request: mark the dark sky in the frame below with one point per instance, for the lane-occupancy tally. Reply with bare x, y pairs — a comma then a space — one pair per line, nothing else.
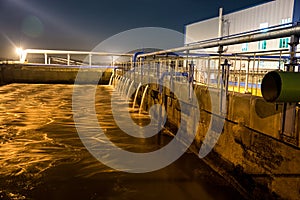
82, 24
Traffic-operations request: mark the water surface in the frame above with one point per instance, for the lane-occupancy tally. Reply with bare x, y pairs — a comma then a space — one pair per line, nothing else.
42, 157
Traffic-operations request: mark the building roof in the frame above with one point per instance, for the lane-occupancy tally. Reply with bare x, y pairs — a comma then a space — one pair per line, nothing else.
232, 11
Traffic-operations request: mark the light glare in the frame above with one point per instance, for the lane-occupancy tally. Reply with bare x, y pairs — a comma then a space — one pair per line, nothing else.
19, 51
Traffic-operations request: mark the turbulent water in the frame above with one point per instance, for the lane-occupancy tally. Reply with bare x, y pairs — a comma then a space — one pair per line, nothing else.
42, 157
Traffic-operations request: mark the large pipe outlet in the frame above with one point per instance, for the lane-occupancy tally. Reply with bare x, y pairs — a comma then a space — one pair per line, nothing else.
279, 86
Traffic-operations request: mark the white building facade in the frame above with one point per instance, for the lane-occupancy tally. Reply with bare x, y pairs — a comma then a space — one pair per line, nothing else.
263, 16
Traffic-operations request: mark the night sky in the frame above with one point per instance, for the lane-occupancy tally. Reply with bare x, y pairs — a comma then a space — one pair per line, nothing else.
82, 24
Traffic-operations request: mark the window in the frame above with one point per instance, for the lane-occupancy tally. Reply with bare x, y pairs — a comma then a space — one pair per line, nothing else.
245, 47
284, 42
286, 21
262, 45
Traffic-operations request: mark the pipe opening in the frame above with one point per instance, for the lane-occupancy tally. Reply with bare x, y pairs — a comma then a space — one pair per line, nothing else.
271, 86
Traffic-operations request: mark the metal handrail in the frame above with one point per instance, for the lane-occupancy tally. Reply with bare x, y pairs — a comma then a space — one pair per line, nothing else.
278, 33
68, 53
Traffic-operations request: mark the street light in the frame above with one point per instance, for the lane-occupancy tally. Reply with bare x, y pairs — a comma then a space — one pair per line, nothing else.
21, 53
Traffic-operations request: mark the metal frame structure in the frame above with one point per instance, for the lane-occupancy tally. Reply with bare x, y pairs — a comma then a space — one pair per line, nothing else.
46, 53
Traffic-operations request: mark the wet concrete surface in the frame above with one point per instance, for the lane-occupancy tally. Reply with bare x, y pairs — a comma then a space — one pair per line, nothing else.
42, 156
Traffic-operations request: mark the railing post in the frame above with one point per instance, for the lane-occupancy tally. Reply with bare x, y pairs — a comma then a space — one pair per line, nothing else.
208, 72
142, 70
158, 74
224, 86
90, 59
68, 59
149, 71
239, 77
220, 51
46, 58
234, 74
191, 78
112, 61
257, 76
252, 77
247, 76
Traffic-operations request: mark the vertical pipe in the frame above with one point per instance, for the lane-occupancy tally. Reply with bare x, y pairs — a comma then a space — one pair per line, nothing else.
220, 22
224, 86
191, 78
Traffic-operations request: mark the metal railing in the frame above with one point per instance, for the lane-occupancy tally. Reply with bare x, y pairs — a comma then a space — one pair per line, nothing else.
245, 71
70, 57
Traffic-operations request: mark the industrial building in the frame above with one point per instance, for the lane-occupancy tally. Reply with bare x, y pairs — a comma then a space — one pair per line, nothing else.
260, 18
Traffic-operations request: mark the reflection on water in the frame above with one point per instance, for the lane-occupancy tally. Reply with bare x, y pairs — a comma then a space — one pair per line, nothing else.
42, 157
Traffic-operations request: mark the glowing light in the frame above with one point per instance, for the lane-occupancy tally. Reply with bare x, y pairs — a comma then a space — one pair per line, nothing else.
19, 51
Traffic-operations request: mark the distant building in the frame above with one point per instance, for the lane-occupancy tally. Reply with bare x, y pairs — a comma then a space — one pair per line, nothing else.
263, 16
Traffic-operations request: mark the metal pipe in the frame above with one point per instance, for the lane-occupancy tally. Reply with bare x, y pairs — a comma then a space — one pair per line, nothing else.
284, 32
220, 22
279, 86
276, 27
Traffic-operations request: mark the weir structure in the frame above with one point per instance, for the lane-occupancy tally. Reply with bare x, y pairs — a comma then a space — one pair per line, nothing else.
258, 147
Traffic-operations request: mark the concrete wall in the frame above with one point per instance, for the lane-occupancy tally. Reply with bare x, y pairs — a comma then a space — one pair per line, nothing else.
25, 73
250, 150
